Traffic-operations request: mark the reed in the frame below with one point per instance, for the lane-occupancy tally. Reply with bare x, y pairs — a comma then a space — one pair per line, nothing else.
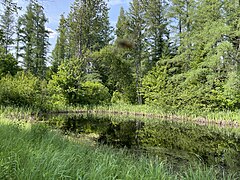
32, 151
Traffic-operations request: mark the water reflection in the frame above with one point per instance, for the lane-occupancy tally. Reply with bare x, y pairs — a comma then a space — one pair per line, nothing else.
177, 142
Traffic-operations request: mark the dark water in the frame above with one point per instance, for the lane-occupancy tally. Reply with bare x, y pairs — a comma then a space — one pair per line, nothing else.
175, 142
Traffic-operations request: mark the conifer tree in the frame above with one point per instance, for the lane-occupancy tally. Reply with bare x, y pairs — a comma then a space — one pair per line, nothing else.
122, 25
89, 27
137, 27
33, 39
157, 34
60, 52
7, 24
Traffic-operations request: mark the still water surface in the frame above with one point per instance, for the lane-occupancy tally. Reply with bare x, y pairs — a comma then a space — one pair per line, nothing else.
173, 141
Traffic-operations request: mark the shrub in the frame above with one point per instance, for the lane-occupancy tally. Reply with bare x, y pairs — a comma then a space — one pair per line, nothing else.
8, 65
93, 93
120, 98
23, 90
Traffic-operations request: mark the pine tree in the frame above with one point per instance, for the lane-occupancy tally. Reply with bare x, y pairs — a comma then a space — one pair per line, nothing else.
157, 34
122, 25
33, 39
136, 35
89, 26
7, 25
60, 52
181, 12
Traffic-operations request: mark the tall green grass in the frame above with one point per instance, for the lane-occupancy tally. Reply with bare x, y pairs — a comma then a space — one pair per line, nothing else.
230, 116
36, 152
152, 111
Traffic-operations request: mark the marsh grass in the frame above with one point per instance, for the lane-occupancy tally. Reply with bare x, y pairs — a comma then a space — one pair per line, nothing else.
36, 152
232, 117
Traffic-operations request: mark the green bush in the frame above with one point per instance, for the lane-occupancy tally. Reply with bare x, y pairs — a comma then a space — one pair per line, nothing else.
23, 90
120, 98
65, 84
8, 65
197, 89
93, 93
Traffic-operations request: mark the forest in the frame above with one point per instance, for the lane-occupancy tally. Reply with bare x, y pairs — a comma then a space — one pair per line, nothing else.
176, 54
156, 96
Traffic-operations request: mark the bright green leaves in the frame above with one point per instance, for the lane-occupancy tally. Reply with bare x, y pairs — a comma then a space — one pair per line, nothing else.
204, 73
23, 90
66, 82
115, 71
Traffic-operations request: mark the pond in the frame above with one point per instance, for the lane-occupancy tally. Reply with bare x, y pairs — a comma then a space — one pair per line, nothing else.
176, 142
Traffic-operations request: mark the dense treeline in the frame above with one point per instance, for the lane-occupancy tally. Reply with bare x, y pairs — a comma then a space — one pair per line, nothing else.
172, 54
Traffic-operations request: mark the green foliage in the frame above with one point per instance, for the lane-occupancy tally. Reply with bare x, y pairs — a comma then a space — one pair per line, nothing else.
8, 64
160, 89
115, 71
54, 156
93, 93
204, 73
231, 91
32, 40
120, 98
66, 83
7, 25
89, 27
60, 51
23, 90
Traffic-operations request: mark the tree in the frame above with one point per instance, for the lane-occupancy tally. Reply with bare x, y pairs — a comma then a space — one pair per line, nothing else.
157, 34
115, 71
8, 64
60, 52
122, 25
33, 39
7, 24
89, 27
204, 73
136, 35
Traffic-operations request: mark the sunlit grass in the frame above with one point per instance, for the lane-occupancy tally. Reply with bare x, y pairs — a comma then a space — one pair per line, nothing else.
133, 110
36, 152
153, 111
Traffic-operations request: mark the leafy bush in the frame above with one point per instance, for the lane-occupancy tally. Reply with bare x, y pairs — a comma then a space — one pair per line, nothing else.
93, 93
65, 84
68, 86
23, 90
120, 98
8, 65
200, 88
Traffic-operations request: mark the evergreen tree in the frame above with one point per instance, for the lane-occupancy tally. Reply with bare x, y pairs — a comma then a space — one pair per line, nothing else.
137, 27
7, 24
181, 12
157, 34
205, 72
33, 39
89, 27
60, 52
122, 25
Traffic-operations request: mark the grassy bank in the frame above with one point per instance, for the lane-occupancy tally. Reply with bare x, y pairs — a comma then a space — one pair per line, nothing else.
231, 117
35, 152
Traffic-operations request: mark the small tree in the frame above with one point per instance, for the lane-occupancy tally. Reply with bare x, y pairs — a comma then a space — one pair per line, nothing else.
8, 64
